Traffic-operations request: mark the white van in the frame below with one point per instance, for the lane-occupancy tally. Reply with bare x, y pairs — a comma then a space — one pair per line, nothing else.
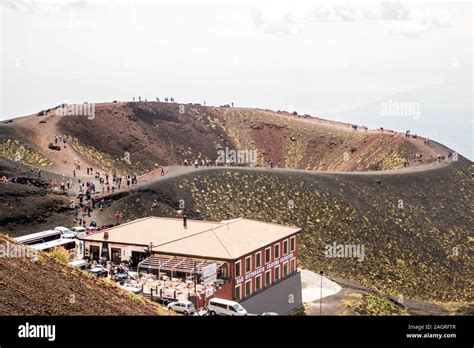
219, 306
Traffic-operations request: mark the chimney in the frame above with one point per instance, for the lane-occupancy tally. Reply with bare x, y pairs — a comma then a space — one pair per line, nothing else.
185, 221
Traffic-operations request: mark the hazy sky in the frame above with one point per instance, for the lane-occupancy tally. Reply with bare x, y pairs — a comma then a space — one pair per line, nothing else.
309, 56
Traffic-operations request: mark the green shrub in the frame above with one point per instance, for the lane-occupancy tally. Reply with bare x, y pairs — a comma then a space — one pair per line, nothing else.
60, 254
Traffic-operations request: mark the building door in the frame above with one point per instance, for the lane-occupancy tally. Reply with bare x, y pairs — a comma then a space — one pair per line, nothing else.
105, 250
137, 257
116, 255
94, 252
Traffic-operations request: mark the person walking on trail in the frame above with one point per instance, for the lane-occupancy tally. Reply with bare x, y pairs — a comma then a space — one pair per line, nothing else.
162, 171
117, 217
439, 158
74, 172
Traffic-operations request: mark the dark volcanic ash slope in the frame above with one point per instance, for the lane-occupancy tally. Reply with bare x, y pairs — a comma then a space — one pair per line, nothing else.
29, 206
420, 251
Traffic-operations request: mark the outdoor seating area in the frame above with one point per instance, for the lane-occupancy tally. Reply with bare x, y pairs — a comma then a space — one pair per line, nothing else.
174, 265
166, 287
173, 277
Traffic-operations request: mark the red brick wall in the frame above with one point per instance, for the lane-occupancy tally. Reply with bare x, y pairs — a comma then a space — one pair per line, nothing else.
253, 271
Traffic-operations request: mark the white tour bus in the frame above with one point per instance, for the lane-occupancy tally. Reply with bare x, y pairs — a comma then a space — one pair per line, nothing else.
219, 306
39, 237
66, 243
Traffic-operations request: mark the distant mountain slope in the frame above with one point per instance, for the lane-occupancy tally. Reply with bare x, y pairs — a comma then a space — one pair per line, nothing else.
152, 134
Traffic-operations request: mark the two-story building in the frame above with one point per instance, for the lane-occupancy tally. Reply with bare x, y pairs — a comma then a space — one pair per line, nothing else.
256, 261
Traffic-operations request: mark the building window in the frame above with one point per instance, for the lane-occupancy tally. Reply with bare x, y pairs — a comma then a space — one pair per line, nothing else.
248, 264
258, 282
268, 255
285, 269
248, 287
285, 247
258, 259
238, 270
238, 292
268, 277
292, 265
292, 244
276, 253
277, 273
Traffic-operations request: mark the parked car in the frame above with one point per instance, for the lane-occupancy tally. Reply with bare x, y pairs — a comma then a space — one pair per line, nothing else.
81, 264
269, 314
99, 272
91, 230
135, 290
79, 230
121, 277
66, 232
185, 307
219, 306
51, 145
